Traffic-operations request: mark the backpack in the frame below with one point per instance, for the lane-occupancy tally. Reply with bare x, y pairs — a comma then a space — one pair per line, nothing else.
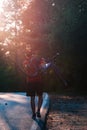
33, 66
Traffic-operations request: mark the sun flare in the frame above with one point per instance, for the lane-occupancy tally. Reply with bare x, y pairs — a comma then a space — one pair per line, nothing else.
1, 6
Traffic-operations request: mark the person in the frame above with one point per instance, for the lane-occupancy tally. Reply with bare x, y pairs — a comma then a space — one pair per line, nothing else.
34, 78
34, 81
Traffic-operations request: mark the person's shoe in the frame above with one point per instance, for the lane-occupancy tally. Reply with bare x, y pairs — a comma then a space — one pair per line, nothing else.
38, 114
34, 116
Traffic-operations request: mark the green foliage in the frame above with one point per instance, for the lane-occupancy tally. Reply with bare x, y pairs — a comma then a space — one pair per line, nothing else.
9, 79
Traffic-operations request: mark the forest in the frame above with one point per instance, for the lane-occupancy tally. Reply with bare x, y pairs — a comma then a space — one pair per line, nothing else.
53, 26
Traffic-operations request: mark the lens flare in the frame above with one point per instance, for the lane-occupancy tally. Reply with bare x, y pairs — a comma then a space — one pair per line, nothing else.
1, 8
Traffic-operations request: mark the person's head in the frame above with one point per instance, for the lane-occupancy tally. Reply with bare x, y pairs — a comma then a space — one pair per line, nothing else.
28, 54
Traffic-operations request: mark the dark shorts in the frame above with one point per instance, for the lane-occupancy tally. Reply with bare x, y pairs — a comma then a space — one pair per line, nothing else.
34, 88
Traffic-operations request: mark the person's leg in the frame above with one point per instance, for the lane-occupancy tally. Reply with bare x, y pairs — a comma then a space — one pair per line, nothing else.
40, 97
40, 100
33, 106
31, 93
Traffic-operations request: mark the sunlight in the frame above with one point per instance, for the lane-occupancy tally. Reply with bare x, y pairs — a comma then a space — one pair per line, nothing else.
2, 49
15, 97
1, 6
12, 27
9, 13
7, 53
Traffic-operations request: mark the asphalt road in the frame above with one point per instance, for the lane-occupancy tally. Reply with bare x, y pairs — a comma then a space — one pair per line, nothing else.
16, 113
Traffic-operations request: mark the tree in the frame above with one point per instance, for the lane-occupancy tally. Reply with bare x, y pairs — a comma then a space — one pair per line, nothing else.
11, 25
10, 43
